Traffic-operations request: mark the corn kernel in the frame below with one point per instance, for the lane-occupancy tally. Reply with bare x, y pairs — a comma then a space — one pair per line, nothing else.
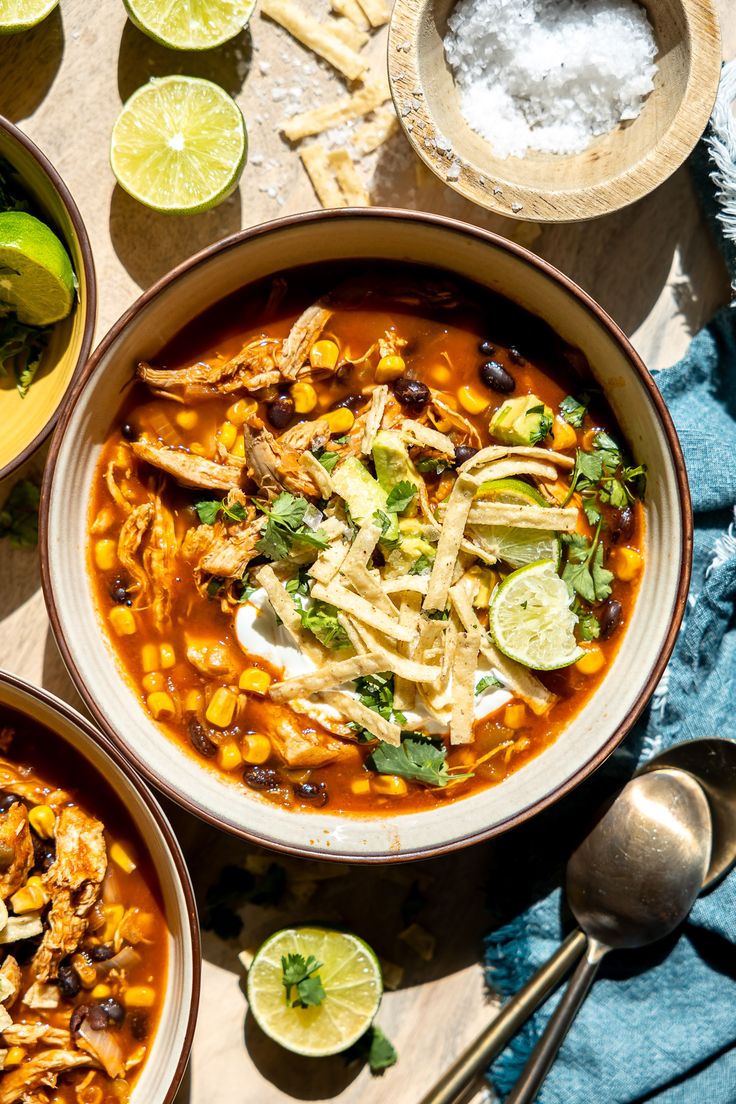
122, 620
222, 707
168, 656
106, 554
139, 996
29, 898
186, 419
255, 748
592, 661
240, 410
161, 705
563, 435
361, 786
101, 991
238, 448
441, 375
340, 420
627, 563
228, 756
153, 682
122, 858
471, 401
14, 1057
197, 449
43, 821
515, 715
390, 785
104, 520
255, 680
150, 657
194, 701
390, 368
324, 354
304, 397
227, 434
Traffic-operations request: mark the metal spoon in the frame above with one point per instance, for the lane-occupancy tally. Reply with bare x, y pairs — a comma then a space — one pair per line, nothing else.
712, 761
631, 881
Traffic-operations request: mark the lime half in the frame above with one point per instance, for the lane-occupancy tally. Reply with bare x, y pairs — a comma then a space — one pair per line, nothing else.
36, 275
513, 544
350, 976
179, 145
190, 24
530, 618
20, 15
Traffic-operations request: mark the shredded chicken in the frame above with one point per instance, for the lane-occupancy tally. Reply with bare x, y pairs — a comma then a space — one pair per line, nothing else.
274, 466
129, 542
31, 1034
444, 418
251, 369
159, 562
296, 746
220, 549
10, 972
73, 881
16, 835
14, 780
18, 1083
306, 436
112, 485
189, 469
303, 334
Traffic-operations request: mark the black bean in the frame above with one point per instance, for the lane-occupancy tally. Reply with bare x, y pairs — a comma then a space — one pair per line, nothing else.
280, 411
44, 852
200, 740
352, 402
25, 949
495, 376
261, 778
463, 453
79, 1014
487, 348
114, 1010
100, 952
118, 591
129, 432
98, 1017
610, 618
515, 355
69, 983
412, 393
315, 792
622, 525
138, 1024
6, 800
344, 370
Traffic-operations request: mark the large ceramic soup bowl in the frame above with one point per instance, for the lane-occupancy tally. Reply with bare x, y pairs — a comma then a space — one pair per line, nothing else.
480, 319
108, 994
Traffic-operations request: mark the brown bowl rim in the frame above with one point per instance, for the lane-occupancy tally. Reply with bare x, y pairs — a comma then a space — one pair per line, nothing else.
57, 705
90, 278
455, 226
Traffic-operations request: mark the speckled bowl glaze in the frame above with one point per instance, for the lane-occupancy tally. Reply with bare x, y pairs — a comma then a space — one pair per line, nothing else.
169, 1054
389, 235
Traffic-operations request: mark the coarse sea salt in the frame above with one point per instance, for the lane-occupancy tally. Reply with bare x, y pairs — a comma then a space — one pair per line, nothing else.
549, 74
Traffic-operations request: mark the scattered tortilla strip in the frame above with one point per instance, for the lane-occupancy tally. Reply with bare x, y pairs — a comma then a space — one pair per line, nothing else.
513, 467
317, 473
373, 133
351, 603
362, 548
367, 584
328, 563
463, 687
349, 34
384, 730
354, 191
461, 597
404, 690
315, 161
377, 12
352, 10
374, 417
474, 549
410, 669
496, 452
432, 438
316, 36
525, 517
286, 611
415, 584
360, 647
366, 99
458, 508
330, 674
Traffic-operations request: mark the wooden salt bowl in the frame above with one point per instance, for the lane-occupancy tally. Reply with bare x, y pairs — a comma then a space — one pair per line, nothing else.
615, 170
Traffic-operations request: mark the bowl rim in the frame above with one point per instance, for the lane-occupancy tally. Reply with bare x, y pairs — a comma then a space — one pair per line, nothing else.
335, 216
579, 203
69, 713
90, 279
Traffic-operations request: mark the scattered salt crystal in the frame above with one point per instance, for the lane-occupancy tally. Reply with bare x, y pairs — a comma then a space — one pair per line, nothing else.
255, 159
548, 75
516, 207
453, 173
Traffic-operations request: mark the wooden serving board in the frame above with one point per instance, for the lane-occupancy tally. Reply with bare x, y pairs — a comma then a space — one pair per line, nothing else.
653, 267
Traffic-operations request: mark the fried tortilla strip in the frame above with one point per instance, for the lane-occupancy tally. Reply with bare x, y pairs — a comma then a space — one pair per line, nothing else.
354, 191
352, 10
458, 508
509, 469
315, 161
366, 99
525, 517
422, 435
377, 12
286, 612
463, 686
17, 1084
475, 549
315, 36
348, 602
328, 563
405, 691
377, 725
362, 547
350, 35
317, 473
368, 584
415, 584
301, 337
331, 674
411, 669
188, 469
376, 131
497, 452
374, 417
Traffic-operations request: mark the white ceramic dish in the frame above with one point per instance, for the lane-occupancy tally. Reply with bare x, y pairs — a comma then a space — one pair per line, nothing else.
394, 236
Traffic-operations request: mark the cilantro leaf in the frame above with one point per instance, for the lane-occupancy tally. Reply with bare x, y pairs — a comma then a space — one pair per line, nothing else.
19, 514
588, 626
438, 615
573, 410
422, 565
327, 459
321, 620
21, 347
385, 523
382, 1053
401, 496
486, 683
285, 527
302, 975
584, 572
432, 465
416, 759
209, 509
545, 424
299, 583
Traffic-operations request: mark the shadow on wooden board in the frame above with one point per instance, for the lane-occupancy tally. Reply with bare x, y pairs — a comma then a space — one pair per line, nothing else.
28, 64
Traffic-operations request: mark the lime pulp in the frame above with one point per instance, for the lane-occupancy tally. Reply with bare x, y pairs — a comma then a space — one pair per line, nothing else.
513, 544
36, 275
530, 618
190, 24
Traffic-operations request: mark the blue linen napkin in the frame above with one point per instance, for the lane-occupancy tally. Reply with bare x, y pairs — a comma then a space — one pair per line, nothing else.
659, 1024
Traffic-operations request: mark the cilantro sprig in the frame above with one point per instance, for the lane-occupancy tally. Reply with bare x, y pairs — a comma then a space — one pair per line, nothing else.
19, 514
21, 349
545, 425
285, 527
422, 565
602, 478
573, 410
210, 509
321, 620
486, 683
416, 758
584, 572
401, 496
301, 974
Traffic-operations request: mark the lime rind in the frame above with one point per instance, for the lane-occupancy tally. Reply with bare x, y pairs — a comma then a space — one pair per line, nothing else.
190, 24
531, 621
513, 544
511, 490
21, 15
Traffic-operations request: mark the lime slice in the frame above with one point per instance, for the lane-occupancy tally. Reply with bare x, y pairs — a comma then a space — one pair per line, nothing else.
36, 275
19, 15
512, 544
530, 618
350, 975
179, 145
190, 24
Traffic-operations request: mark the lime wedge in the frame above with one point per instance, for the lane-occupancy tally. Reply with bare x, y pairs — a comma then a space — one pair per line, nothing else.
530, 618
179, 145
190, 24
512, 544
350, 976
19, 15
36, 275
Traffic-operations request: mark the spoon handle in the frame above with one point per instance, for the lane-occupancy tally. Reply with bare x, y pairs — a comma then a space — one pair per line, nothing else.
514, 1013
526, 1088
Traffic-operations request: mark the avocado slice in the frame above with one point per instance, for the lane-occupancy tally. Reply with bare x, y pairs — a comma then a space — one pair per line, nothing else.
522, 421
363, 495
393, 463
